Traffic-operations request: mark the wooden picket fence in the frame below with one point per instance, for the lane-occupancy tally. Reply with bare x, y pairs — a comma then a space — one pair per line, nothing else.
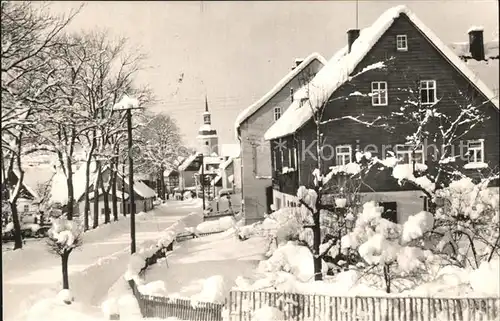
300, 307
183, 309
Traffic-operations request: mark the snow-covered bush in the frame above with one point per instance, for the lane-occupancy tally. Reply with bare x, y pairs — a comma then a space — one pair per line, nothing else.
390, 249
63, 237
187, 195
468, 218
214, 290
220, 225
294, 259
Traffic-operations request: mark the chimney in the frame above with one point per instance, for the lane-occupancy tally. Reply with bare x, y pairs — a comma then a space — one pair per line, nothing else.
298, 61
476, 43
352, 35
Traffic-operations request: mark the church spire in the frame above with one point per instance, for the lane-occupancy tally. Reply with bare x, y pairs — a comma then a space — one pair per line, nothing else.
206, 104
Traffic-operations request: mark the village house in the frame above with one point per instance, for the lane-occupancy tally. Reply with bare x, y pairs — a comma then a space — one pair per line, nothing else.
250, 126
33, 192
371, 78
213, 155
143, 195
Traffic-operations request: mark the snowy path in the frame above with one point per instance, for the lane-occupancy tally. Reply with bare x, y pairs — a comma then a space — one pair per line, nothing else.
198, 259
33, 273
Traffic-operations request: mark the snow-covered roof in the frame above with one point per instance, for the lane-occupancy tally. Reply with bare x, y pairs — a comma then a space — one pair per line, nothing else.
59, 188
100, 192
342, 64
225, 164
215, 180
487, 70
143, 190
35, 176
187, 162
230, 150
250, 110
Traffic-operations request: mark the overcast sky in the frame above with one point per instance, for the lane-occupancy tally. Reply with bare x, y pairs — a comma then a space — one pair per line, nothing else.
236, 51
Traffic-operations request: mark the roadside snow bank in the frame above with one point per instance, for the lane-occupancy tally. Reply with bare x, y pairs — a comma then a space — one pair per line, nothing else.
156, 249
220, 225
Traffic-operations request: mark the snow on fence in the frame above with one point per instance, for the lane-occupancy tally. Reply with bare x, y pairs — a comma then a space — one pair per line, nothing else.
183, 309
300, 307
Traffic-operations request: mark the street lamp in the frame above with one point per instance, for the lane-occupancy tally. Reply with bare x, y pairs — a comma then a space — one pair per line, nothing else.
203, 180
127, 103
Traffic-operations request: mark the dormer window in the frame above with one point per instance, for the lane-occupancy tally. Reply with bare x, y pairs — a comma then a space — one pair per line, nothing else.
401, 43
277, 113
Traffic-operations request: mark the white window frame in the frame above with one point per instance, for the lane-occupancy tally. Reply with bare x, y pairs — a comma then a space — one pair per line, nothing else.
26, 208
277, 113
428, 85
473, 159
380, 96
401, 43
407, 150
341, 157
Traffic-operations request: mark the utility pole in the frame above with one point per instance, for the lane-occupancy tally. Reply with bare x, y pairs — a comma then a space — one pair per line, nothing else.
131, 195
127, 104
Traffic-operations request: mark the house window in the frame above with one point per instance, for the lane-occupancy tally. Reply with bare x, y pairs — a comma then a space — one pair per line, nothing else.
292, 157
343, 154
428, 94
379, 93
401, 43
475, 149
408, 154
390, 211
26, 208
277, 113
102, 211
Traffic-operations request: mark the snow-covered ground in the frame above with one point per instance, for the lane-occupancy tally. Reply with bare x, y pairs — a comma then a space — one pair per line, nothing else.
195, 262
33, 273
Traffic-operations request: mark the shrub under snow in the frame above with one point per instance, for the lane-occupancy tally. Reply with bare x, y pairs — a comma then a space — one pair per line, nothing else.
214, 290
220, 225
294, 259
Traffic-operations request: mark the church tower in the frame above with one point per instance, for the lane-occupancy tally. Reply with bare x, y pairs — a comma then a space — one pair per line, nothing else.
207, 136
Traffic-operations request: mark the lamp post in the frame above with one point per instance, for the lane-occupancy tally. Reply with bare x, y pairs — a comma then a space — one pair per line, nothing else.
203, 181
127, 103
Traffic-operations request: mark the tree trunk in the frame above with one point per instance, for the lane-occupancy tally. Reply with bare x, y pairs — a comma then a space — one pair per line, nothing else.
318, 275
96, 195
71, 195
18, 238
105, 199
387, 278
86, 207
113, 189
64, 266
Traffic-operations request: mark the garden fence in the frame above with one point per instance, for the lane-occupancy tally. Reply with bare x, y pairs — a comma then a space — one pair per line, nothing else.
183, 309
300, 307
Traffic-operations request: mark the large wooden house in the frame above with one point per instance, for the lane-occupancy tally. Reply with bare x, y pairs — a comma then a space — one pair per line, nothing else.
250, 126
381, 69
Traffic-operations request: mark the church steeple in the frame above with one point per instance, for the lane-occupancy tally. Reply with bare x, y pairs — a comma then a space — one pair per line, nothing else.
206, 114
207, 136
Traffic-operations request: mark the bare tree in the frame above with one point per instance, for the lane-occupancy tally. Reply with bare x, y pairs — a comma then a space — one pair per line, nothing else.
28, 35
161, 146
317, 99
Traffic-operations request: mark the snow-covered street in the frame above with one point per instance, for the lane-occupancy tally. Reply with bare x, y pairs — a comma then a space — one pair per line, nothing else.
33, 273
